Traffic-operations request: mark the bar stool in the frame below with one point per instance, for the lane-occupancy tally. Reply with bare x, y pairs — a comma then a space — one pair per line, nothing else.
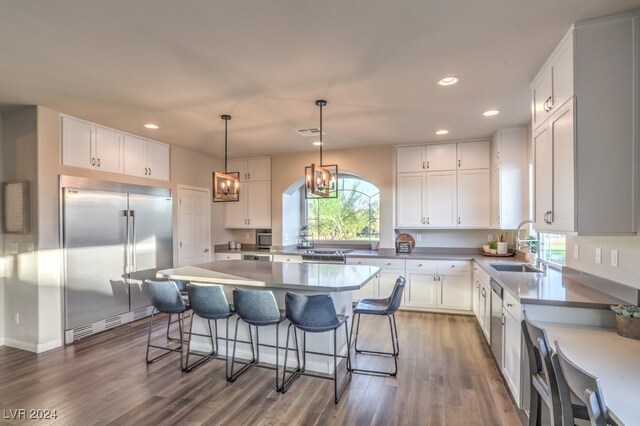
208, 302
573, 380
315, 314
388, 306
166, 298
257, 308
182, 288
544, 380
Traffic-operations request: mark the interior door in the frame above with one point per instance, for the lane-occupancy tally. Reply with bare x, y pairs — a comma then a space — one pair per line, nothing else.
194, 226
95, 241
151, 239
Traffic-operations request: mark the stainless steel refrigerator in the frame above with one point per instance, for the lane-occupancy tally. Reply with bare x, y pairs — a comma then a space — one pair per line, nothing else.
114, 237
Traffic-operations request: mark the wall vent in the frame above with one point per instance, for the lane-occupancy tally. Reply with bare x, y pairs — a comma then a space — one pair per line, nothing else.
112, 322
313, 131
84, 331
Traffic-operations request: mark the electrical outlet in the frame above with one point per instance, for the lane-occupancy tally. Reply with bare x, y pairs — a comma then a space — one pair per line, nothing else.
576, 251
418, 237
490, 237
17, 318
614, 258
14, 247
598, 255
31, 247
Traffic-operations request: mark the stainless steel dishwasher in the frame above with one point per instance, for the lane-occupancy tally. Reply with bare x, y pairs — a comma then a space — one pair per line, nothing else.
496, 321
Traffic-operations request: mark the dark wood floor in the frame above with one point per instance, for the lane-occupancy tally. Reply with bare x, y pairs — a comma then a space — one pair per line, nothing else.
447, 377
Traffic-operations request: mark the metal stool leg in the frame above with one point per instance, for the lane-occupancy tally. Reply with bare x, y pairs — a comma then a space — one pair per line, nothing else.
394, 352
233, 376
167, 350
203, 357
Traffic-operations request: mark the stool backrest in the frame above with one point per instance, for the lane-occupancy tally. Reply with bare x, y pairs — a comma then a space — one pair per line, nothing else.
396, 296
165, 296
208, 300
255, 305
585, 386
315, 310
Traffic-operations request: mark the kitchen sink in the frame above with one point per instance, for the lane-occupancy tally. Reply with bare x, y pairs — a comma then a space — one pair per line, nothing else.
514, 267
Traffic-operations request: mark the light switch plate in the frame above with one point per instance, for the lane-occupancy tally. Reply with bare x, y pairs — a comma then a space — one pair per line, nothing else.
598, 255
418, 237
614, 258
31, 247
14, 247
576, 252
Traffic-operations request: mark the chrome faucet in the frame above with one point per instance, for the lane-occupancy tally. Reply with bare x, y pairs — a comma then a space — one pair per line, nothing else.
527, 242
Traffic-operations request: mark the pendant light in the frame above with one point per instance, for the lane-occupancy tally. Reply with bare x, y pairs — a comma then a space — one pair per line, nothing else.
321, 179
226, 186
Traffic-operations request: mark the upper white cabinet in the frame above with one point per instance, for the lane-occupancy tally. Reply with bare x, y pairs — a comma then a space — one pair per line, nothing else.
410, 159
589, 130
507, 178
442, 201
87, 145
411, 190
95, 147
146, 158
473, 198
473, 155
440, 157
253, 210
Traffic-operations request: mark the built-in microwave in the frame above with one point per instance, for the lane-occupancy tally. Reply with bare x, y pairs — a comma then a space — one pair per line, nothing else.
263, 239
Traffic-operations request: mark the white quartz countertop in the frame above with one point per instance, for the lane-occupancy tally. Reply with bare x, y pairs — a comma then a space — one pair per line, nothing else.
613, 359
293, 276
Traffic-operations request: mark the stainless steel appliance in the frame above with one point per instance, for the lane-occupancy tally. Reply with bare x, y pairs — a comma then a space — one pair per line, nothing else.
263, 239
114, 237
262, 257
325, 255
497, 319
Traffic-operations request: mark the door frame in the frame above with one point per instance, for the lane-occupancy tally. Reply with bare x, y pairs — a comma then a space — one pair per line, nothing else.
181, 189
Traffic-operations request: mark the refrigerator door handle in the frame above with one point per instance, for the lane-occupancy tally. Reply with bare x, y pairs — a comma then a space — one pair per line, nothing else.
127, 256
133, 241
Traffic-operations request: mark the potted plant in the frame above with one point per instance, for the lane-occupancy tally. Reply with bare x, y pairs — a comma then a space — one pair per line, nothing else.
627, 320
493, 246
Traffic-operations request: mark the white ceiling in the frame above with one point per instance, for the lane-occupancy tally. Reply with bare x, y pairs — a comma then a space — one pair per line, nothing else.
181, 64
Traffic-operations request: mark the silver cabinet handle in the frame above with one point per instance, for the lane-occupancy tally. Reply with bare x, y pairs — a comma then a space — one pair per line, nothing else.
458, 221
509, 305
149, 171
98, 162
93, 161
547, 106
502, 318
146, 171
427, 220
459, 163
206, 250
477, 284
249, 176
422, 221
423, 165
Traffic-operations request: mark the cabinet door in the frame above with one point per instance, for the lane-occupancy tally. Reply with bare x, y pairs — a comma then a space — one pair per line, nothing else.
259, 169
410, 196
511, 353
135, 156
474, 198
240, 166
441, 157
474, 155
228, 256
562, 134
236, 211
562, 73
158, 160
455, 292
442, 209
496, 147
259, 207
388, 281
109, 150
541, 97
421, 290
485, 310
543, 171
369, 291
495, 196
77, 141
475, 297
410, 159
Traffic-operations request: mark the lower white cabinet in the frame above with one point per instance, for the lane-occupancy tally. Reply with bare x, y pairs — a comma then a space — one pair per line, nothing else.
287, 258
438, 285
454, 292
382, 285
511, 355
228, 256
421, 289
485, 310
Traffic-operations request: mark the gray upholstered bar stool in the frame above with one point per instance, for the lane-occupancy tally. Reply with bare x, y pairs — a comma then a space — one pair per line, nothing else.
257, 308
209, 303
182, 288
315, 314
166, 298
388, 307
544, 382
574, 382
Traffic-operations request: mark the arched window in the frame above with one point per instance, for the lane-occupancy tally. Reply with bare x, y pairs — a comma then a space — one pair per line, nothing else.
353, 216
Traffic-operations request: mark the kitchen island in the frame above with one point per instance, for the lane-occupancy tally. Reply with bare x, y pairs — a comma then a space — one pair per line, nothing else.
337, 280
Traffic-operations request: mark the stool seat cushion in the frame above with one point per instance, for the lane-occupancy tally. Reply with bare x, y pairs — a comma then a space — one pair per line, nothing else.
257, 307
315, 313
208, 301
165, 296
372, 307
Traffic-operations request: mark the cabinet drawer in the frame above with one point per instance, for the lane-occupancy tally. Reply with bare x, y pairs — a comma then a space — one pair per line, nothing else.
287, 258
512, 306
390, 263
426, 266
446, 267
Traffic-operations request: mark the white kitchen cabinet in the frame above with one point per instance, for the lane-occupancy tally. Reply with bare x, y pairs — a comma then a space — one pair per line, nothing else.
251, 169
473, 155
507, 178
411, 194
553, 85
228, 256
554, 172
438, 285
145, 158
441, 199
390, 270
410, 159
87, 145
454, 292
287, 258
485, 310
474, 198
511, 353
253, 208
421, 289
475, 297
440, 157
370, 290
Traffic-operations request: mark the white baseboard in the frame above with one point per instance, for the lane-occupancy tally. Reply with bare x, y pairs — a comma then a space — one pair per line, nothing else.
18, 344
43, 347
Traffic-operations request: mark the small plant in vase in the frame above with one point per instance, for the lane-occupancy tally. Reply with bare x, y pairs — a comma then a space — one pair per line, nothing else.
627, 320
493, 246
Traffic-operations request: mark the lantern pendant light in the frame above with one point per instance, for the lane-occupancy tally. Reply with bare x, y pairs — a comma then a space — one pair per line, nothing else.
320, 179
226, 186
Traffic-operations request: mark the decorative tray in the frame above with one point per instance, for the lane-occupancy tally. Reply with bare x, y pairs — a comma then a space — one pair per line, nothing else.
484, 253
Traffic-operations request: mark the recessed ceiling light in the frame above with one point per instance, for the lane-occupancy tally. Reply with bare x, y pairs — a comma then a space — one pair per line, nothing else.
317, 143
491, 112
448, 81
151, 126
442, 132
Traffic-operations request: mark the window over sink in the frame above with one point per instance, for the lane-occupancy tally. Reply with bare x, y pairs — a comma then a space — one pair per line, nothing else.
353, 216
553, 248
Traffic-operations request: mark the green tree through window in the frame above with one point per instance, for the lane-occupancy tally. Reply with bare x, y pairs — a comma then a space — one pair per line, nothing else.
353, 215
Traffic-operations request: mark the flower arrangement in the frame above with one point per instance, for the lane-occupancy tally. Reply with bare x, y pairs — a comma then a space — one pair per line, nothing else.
630, 311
